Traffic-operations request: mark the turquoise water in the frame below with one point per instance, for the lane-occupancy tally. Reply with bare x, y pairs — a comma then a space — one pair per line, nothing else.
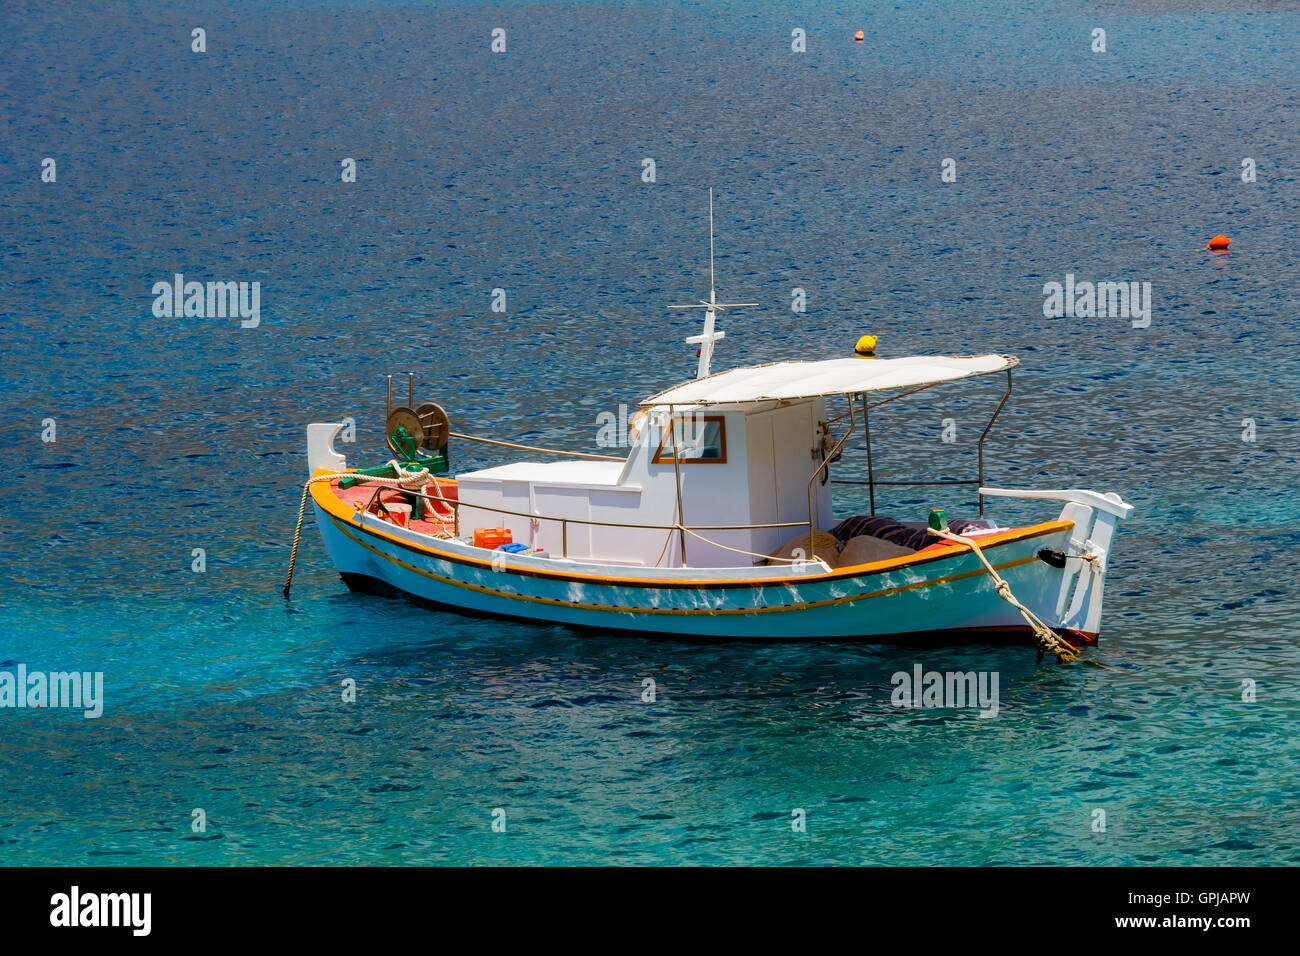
522, 171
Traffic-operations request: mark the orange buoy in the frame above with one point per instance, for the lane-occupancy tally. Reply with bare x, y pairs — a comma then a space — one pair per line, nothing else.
1218, 242
859, 36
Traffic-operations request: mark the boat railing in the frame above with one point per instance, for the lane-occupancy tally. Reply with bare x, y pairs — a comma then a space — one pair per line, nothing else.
455, 504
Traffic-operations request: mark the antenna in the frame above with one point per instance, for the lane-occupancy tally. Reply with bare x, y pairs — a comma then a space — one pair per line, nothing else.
711, 308
712, 296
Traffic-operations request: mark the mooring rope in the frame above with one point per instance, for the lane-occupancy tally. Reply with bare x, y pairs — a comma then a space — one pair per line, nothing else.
1065, 652
406, 480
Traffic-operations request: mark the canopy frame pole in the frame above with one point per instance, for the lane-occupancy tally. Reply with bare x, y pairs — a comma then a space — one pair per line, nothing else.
871, 475
910, 391
979, 447
677, 474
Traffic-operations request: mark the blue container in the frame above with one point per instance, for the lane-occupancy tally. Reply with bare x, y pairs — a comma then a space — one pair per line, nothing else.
512, 548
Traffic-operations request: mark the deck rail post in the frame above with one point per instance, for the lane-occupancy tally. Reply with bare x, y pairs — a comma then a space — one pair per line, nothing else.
871, 474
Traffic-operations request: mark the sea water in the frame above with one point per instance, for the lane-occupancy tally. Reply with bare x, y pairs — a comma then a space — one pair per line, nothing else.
145, 536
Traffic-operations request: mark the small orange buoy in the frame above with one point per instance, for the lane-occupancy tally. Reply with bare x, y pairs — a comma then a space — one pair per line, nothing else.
1218, 242
859, 36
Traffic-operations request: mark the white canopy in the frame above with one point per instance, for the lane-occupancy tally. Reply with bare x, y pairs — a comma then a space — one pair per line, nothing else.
791, 380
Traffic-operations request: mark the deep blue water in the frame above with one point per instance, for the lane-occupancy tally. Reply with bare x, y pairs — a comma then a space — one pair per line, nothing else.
522, 171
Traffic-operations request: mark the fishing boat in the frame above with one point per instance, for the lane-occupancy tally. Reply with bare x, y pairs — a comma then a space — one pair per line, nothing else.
720, 520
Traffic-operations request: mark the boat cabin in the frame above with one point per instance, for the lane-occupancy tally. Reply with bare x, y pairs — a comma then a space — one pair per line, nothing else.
721, 470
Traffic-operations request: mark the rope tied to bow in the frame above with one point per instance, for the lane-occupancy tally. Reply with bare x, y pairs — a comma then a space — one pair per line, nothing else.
1048, 639
404, 480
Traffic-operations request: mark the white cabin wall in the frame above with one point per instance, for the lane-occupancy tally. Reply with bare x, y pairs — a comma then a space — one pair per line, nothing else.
635, 546
792, 429
713, 493
557, 537
759, 441
510, 495
782, 459
657, 505
718, 495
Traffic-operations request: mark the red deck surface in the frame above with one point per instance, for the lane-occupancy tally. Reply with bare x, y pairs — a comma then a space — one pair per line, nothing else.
438, 516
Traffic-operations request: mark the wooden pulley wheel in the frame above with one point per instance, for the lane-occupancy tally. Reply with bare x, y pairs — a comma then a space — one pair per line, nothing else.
403, 417
435, 425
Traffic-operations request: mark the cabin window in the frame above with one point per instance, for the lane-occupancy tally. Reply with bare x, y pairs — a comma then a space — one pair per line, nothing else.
701, 440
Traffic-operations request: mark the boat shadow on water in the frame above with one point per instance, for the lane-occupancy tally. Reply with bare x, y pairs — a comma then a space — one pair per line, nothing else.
542, 666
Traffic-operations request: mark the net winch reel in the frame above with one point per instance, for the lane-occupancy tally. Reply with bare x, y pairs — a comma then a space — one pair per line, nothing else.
414, 434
